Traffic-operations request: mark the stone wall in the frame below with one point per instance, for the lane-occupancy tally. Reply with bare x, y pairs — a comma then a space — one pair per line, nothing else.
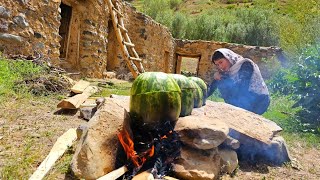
31, 27
205, 49
153, 43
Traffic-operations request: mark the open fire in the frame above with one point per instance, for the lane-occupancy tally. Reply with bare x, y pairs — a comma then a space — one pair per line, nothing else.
153, 150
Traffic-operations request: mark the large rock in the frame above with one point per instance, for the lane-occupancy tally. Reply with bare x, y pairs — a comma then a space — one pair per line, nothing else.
96, 152
201, 132
197, 164
256, 134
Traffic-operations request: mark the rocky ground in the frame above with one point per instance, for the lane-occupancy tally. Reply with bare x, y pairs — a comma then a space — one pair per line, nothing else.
30, 127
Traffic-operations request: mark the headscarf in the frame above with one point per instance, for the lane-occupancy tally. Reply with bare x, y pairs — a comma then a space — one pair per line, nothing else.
257, 84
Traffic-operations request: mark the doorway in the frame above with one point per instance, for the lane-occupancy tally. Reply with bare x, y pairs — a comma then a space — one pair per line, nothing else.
188, 65
64, 29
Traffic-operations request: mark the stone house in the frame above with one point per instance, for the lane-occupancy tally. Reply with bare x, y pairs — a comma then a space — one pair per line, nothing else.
78, 35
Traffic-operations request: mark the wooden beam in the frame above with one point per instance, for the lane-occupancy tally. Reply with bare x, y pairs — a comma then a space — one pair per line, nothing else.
74, 102
58, 149
113, 175
178, 66
80, 86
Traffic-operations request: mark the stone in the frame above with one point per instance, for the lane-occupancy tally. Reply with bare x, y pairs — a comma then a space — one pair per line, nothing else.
109, 75
197, 164
4, 13
39, 45
87, 112
201, 132
257, 135
95, 154
21, 21
4, 25
231, 143
229, 160
275, 153
23, 2
10, 38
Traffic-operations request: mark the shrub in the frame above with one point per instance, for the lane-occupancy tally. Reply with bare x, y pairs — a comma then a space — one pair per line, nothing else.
302, 80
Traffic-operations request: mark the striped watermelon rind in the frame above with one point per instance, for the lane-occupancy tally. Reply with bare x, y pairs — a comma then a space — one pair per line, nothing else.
198, 95
203, 87
155, 100
187, 93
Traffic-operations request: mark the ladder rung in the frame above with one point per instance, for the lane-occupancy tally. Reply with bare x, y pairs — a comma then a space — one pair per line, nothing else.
122, 28
128, 44
117, 11
135, 59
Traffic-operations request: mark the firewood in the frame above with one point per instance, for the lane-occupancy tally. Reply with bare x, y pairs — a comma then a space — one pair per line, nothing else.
145, 175
80, 86
114, 174
169, 178
75, 101
58, 149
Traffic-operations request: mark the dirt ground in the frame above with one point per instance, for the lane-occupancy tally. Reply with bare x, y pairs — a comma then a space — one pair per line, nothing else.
29, 128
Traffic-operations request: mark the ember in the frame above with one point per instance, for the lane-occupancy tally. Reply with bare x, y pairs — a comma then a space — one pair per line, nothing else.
152, 150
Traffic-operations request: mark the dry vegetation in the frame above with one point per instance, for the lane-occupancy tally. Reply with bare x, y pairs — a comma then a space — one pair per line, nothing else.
29, 128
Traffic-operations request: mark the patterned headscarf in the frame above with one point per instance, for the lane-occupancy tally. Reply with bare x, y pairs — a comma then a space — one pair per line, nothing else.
257, 83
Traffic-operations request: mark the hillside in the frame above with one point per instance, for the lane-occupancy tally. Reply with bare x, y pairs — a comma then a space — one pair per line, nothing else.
292, 25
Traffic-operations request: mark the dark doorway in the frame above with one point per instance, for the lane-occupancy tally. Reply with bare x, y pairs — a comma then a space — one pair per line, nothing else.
66, 12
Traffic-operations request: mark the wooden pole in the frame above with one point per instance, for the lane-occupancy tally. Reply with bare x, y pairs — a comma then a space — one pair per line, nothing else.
58, 149
114, 174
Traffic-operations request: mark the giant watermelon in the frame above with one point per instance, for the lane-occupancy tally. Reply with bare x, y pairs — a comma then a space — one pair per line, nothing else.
187, 90
198, 95
203, 87
155, 100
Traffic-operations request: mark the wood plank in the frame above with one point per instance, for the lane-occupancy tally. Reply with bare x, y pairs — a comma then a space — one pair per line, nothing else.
58, 149
114, 174
80, 86
178, 65
145, 175
74, 102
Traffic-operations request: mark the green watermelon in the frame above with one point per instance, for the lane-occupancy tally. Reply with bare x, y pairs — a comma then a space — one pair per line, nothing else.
187, 90
203, 87
198, 95
155, 99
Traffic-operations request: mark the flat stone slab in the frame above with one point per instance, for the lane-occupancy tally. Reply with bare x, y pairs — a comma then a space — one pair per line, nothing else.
240, 121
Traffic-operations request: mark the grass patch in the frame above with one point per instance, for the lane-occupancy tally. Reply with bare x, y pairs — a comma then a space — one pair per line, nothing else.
18, 166
115, 87
12, 71
281, 112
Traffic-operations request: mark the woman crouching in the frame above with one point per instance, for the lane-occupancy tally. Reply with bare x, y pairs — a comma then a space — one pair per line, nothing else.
239, 81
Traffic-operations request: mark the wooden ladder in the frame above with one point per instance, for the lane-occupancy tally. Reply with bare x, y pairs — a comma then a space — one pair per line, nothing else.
131, 56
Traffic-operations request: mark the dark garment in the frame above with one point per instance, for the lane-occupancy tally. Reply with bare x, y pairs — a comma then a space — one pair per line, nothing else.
238, 94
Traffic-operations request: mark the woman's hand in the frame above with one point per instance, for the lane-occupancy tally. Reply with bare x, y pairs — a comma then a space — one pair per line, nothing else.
217, 76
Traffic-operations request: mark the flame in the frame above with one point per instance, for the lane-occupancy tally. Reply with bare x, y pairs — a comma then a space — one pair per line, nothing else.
128, 146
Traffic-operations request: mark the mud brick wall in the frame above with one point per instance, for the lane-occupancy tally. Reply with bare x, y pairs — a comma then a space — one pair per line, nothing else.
31, 27
153, 43
205, 49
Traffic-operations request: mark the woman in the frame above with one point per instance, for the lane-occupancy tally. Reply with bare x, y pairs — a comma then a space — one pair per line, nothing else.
239, 81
